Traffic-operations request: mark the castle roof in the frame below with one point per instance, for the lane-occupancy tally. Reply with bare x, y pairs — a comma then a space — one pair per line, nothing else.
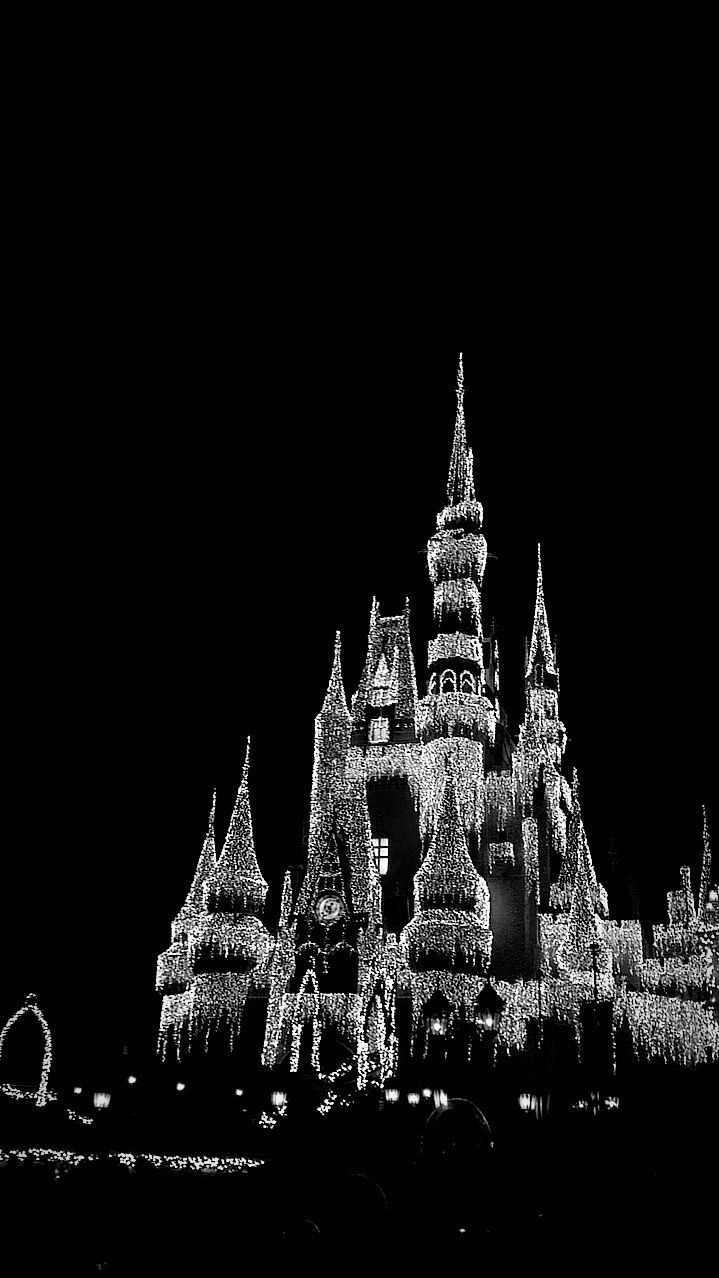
236, 884
389, 656
205, 865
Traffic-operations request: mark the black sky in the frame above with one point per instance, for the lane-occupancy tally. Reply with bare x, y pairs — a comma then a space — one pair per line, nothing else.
223, 439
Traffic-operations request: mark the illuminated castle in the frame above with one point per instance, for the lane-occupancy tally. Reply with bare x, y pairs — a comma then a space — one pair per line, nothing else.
442, 853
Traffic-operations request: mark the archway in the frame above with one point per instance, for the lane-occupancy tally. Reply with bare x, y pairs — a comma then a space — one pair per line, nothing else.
31, 1008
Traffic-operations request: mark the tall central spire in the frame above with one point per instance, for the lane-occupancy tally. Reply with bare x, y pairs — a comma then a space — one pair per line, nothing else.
460, 482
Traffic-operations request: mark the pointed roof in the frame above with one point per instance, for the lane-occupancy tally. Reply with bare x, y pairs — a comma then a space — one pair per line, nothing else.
388, 637
705, 881
540, 641
460, 482
205, 865
577, 853
447, 878
335, 703
584, 929
236, 883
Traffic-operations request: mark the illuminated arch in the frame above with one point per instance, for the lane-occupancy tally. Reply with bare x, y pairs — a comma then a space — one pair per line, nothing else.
31, 1008
467, 682
449, 681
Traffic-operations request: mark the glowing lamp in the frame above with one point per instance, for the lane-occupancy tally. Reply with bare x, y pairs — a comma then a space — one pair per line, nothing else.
132, 1079
488, 1009
525, 1102
279, 1099
101, 1100
180, 1087
441, 1099
436, 1015
391, 1094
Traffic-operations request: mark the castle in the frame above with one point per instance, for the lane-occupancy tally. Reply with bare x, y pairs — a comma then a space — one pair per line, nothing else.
443, 854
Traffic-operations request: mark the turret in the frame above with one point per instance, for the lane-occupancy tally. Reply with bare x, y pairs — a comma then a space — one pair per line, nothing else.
576, 854
450, 929
236, 884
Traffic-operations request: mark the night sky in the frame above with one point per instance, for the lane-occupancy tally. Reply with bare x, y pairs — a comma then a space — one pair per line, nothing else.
210, 467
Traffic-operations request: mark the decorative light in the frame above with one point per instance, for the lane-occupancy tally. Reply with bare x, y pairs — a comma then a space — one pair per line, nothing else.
526, 1102
279, 1099
180, 1087
77, 1091
131, 1080
426, 1093
413, 1098
101, 1100
391, 1094
488, 1008
30, 1008
239, 1091
441, 1099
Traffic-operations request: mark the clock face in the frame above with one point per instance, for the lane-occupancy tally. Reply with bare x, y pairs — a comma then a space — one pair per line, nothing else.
329, 908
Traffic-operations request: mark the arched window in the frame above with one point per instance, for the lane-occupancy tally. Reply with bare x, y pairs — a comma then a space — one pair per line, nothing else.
449, 681
433, 685
468, 684
539, 674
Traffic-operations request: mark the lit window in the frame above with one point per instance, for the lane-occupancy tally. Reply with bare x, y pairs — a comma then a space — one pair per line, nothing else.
380, 847
379, 729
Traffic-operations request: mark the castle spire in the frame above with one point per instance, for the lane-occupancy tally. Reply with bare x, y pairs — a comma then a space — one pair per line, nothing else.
584, 943
460, 482
705, 880
540, 641
576, 856
335, 702
236, 884
447, 877
205, 865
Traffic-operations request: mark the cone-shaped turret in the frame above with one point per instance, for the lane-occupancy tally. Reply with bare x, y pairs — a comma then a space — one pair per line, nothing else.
447, 879
236, 884
540, 644
584, 942
460, 482
577, 850
335, 702
205, 865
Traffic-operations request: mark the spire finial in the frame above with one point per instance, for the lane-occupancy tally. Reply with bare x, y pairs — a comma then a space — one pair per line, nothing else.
540, 641
460, 483
246, 764
335, 702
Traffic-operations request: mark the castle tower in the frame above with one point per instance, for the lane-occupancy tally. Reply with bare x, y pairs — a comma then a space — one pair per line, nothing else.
542, 739
225, 944
457, 717
385, 756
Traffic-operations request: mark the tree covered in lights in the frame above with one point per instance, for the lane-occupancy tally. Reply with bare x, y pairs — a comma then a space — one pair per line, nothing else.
442, 851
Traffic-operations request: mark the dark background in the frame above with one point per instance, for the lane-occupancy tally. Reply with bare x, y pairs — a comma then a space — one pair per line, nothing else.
228, 420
